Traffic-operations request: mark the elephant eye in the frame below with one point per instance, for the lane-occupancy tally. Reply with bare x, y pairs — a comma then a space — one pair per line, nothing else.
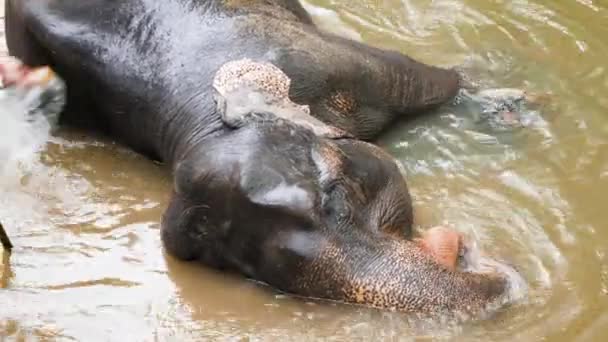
335, 205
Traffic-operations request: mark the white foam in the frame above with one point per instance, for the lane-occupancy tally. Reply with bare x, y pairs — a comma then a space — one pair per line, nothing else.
22, 136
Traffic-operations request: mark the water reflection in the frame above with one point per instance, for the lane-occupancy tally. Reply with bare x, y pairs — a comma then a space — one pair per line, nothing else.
7, 271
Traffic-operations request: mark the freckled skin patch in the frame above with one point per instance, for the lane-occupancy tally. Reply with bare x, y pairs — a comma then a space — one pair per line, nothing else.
265, 76
415, 294
343, 103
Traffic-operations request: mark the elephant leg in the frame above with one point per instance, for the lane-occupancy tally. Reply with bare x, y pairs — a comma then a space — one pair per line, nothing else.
359, 88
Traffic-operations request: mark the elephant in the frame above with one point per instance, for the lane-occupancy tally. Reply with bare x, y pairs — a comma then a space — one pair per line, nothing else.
294, 195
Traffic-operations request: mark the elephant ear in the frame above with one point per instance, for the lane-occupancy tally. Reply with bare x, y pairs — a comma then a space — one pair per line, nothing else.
248, 92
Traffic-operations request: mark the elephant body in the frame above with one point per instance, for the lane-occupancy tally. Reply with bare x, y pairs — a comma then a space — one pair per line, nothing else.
311, 215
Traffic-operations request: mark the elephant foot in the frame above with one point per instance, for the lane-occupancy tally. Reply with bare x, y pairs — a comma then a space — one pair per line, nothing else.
501, 109
248, 91
498, 109
37, 90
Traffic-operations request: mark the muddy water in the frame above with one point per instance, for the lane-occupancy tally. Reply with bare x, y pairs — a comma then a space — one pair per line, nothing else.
88, 263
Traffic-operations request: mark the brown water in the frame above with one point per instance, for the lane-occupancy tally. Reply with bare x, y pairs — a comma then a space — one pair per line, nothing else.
88, 263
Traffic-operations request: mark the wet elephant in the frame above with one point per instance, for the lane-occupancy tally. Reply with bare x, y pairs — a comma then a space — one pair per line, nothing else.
317, 215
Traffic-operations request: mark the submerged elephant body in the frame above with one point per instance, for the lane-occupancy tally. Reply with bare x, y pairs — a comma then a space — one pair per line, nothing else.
313, 214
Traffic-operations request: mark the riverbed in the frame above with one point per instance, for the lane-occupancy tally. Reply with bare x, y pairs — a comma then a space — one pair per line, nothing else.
88, 264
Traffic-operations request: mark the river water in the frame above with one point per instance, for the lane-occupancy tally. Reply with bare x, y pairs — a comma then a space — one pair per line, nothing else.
84, 215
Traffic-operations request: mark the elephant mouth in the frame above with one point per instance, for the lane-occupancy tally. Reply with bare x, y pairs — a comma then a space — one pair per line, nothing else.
446, 246
459, 253
473, 259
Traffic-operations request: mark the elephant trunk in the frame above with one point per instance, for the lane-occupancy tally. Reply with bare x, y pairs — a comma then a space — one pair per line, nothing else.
398, 275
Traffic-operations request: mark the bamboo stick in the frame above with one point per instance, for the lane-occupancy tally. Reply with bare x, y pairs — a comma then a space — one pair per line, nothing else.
6, 242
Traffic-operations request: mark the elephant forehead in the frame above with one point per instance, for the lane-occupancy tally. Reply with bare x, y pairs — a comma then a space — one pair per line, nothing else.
264, 77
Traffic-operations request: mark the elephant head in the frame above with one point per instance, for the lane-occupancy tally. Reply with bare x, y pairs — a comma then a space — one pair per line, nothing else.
294, 202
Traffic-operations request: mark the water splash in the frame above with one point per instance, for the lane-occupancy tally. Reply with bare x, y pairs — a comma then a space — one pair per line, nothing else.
31, 100
23, 134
